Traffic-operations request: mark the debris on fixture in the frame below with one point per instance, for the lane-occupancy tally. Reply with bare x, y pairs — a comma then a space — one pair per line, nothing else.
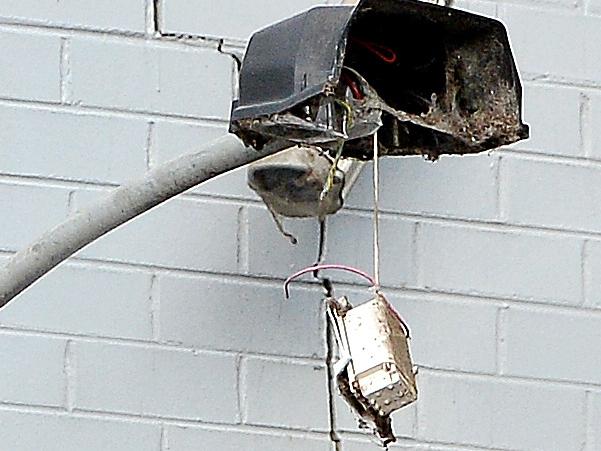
374, 371
433, 80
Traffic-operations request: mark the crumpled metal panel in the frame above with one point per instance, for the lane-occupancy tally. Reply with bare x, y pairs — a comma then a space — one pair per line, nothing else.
441, 81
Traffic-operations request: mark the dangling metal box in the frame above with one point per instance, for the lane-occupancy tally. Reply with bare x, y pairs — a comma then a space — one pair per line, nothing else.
434, 79
380, 367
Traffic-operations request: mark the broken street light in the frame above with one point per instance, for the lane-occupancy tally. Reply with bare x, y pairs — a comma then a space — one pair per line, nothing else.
388, 78
433, 80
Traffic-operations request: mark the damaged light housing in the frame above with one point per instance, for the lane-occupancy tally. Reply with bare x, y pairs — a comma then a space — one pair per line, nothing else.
433, 80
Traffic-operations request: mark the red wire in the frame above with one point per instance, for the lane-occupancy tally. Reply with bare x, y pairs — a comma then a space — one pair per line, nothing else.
386, 54
352, 84
320, 267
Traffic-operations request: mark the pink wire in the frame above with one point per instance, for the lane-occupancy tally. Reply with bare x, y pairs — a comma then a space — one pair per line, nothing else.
323, 267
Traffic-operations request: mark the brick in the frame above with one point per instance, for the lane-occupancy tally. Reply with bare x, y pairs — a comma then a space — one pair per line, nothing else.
189, 78
30, 67
104, 14
149, 78
32, 370
185, 439
565, 335
214, 314
350, 241
271, 388
564, 33
551, 195
71, 146
440, 338
28, 211
554, 118
234, 19
84, 300
270, 253
172, 140
524, 266
157, 382
184, 234
457, 186
499, 414
61, 433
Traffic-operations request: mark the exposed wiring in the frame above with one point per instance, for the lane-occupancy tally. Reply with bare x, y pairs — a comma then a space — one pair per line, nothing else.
352, 85
329, 184
376, 177
349, 111
280, 225
314, 268
386, 54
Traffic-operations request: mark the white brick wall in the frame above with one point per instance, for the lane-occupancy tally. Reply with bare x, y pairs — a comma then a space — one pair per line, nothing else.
171, 333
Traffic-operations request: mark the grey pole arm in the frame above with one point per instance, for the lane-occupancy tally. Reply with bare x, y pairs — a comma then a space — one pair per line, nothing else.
121, 205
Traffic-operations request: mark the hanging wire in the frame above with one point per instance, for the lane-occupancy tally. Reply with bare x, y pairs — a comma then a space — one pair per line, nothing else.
376, 214
296, 275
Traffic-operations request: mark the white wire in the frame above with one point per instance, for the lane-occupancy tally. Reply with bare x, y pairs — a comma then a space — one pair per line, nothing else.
376, 213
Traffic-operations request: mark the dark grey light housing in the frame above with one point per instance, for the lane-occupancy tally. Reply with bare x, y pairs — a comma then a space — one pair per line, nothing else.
431, 79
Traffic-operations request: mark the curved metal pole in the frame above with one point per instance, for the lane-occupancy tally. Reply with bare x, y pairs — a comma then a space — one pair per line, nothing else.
121, 205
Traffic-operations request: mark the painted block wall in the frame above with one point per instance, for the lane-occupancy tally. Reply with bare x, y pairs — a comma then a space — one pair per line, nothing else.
171, 333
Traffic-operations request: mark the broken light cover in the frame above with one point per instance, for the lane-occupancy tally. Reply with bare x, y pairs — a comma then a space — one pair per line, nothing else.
291, 183
433, 80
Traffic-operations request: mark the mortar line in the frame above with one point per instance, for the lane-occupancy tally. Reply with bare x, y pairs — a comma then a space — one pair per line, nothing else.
585, 135
150, 17
165, 40
273, 431
239, 388
589, 429
101, 111
499, 192
418, 276
478, 224
149, 145
70, 376
546, 80
66, 83
501, 340
584, 301
71, 203
155, 308
164, 439
243, 241
275, 281
300, 361
157, 18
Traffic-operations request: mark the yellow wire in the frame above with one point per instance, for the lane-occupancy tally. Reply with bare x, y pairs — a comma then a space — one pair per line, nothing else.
332, 174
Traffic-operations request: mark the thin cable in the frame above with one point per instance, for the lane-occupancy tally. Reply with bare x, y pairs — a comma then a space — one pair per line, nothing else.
294, 276
376, 212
